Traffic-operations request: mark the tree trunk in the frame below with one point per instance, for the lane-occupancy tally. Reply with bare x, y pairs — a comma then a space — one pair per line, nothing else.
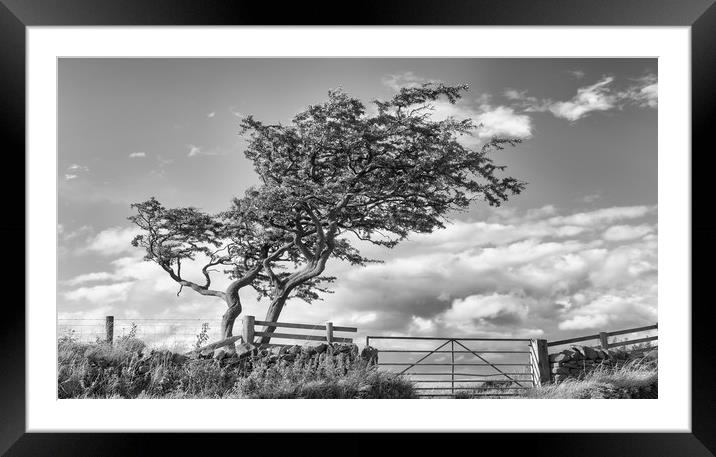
274, 311
227, 323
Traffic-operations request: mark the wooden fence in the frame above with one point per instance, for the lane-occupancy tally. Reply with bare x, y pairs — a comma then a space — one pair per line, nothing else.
603, 338
537, 350
249, 332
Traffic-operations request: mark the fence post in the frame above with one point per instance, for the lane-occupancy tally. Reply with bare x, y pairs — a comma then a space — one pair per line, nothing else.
329, 332
604, 340
247, 330
452, 367
540, 362
109, 328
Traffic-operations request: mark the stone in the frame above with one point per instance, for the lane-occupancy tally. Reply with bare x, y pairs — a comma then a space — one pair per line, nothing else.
559, 357
321, 348
560, 370
590, 353
579, 352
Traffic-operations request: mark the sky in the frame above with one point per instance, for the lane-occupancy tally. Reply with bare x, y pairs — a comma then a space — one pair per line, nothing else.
574, 254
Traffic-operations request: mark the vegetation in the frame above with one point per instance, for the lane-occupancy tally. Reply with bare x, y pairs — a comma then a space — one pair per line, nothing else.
128, 370
635, 379
334, 175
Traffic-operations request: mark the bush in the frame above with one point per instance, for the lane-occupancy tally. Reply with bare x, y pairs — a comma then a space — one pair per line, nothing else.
127, 370
635, 379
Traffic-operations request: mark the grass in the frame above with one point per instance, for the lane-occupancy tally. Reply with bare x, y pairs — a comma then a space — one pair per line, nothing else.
635, 379
128, 369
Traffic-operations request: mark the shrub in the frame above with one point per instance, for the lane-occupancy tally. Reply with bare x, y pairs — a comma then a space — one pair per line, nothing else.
635, 379
127, 370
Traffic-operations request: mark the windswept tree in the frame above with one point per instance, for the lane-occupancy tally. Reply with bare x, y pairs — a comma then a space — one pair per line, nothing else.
334, 175
225, 243
337, 174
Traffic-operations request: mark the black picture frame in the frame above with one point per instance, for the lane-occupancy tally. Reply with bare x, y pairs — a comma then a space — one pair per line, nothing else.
16, 15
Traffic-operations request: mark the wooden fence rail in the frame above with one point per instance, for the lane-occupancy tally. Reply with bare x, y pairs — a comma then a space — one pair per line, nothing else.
603, 337
249, 333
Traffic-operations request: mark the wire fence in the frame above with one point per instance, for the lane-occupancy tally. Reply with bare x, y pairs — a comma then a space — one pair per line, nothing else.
169, 333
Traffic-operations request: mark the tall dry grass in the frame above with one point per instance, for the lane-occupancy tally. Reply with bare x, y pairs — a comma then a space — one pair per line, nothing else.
128, 369
635, 379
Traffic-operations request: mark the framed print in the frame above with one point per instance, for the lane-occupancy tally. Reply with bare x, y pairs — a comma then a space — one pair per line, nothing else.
476, 218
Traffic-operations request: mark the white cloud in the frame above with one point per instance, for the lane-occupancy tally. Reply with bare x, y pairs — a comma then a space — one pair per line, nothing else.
406, 79
194, 150
644, 93
90, 277
626, 232
201, 151
70, 177
596, 97
137, 155
608, 310
78, 168
502, 121
101, 294
211, 114
578, 74
538, 266
600, 96
113, 241
523, 273
500, 308
604, 215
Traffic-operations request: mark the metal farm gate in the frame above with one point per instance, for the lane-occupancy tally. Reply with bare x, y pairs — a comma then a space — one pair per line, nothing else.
463, 367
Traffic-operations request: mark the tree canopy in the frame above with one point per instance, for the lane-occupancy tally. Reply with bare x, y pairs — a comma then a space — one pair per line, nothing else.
338, 172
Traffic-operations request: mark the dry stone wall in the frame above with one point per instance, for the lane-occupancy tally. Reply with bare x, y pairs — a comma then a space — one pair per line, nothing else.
577, 361
342, 354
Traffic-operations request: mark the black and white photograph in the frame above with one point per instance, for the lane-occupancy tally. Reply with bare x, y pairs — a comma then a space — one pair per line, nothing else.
357, 228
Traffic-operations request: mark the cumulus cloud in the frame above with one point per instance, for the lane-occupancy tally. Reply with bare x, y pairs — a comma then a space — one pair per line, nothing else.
90, 277
492, 121
112, 241
137, 155
626, 232
105, 293
496, 308
502, 121
523, 273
